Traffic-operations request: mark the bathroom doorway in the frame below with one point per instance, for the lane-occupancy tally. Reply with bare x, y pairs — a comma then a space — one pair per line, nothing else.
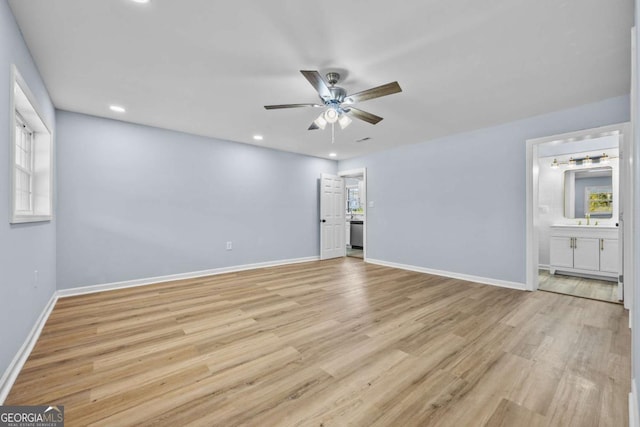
355, 212
576, 197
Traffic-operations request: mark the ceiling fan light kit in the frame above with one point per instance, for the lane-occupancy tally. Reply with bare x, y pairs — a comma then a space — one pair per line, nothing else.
320, 122
338, 104
344, 121
331, 115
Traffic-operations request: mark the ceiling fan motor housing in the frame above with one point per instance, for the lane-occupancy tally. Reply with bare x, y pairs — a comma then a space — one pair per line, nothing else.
337, 95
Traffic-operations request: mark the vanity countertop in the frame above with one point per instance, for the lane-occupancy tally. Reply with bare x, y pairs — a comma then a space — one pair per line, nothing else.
592, 227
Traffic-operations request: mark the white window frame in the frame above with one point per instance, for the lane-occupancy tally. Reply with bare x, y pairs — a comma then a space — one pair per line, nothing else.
26, 114
25, 130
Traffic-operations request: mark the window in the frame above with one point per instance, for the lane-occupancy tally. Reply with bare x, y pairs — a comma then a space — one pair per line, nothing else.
31, 156
24, 167
353, 200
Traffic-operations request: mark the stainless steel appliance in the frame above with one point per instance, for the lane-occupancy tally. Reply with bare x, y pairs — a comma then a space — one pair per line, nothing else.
356, 234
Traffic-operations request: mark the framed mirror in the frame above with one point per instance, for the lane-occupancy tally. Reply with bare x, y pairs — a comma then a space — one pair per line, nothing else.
589, 191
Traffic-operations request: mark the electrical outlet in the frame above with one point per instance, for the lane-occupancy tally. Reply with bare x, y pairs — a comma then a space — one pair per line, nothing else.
229, 246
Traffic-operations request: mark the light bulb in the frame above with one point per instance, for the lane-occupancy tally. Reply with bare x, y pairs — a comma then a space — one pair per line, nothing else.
571, 162
320, 121
555, 164
587, 161
331, 115
604, 159
344, 121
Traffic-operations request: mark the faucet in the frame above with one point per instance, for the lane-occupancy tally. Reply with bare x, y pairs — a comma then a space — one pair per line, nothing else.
587, 216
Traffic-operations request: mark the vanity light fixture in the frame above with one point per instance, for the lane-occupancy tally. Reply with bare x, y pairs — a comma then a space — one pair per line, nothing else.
582, 161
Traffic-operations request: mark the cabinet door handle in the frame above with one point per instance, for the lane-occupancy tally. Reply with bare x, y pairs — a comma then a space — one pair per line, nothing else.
571, 242
575, 243
602, 244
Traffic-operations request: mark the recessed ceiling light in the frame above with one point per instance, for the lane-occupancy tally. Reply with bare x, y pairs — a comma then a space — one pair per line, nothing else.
332, 154
257, 137
140, 1
117, 108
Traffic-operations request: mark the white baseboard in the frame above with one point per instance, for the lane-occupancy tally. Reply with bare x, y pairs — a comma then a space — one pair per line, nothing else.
81, 290
12, 371
477, 279
543, 267
14, 368
634, 420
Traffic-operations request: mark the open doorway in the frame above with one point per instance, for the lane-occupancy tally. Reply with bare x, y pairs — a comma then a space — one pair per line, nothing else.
576, 197
355, 212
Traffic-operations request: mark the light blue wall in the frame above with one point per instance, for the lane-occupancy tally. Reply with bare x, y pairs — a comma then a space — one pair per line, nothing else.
457, 203
138, 202
28, 247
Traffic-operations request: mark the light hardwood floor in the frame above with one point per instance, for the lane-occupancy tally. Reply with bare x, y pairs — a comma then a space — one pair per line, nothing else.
356, 253
328, 343
602, 290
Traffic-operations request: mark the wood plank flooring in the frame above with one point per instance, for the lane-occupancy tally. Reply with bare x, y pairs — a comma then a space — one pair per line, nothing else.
331, 343
602, 290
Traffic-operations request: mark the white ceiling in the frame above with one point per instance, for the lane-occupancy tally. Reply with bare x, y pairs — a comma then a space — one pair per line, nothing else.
208, 67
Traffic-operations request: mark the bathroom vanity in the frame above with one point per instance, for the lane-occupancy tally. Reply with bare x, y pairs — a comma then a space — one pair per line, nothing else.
584, 249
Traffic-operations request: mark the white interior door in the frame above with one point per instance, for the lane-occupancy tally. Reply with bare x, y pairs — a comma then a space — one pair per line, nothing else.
332, 217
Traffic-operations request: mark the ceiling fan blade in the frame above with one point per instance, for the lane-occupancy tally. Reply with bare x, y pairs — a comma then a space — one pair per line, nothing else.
375, 92
313, 126
318, 84
363, 115
275, 107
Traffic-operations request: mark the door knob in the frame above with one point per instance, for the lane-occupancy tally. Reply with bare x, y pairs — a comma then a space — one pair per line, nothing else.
324, 220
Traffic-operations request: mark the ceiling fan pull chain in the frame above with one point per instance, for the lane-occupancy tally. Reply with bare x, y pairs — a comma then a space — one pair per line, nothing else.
333, 132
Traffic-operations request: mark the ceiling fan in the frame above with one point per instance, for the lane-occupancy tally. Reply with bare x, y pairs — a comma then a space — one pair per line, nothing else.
339, 105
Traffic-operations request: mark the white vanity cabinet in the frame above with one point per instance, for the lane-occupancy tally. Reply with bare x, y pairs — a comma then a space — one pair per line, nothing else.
609, 256
589, 250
